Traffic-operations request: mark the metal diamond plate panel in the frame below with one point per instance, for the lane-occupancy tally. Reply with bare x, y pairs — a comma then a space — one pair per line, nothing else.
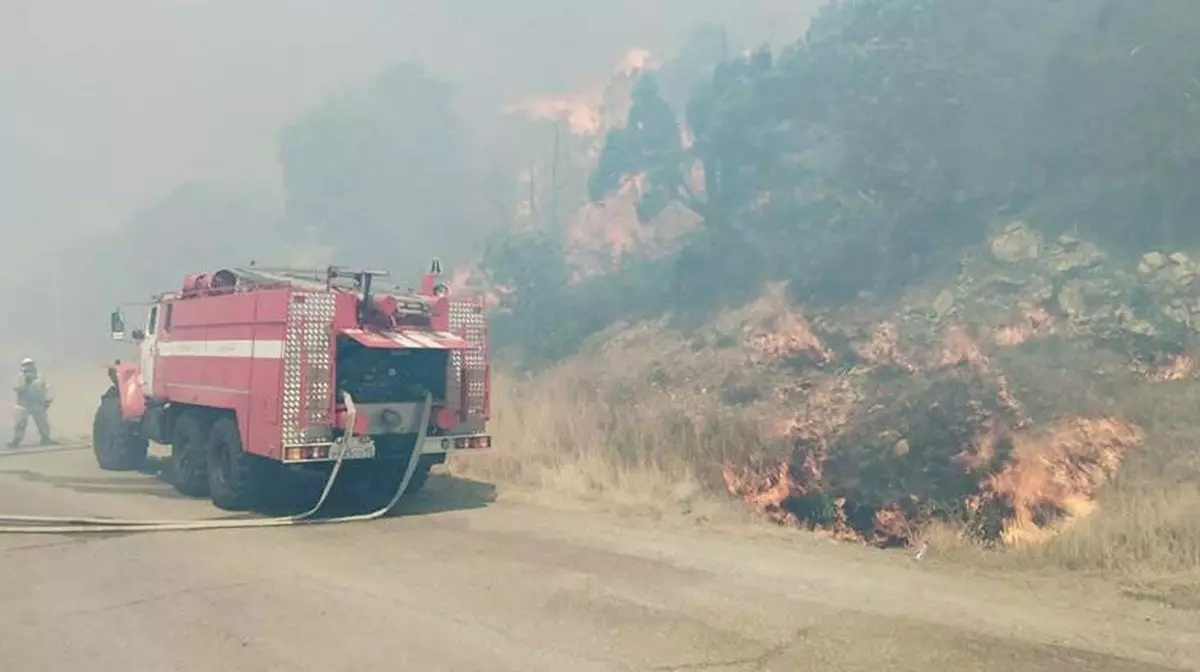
468, 320
307, 369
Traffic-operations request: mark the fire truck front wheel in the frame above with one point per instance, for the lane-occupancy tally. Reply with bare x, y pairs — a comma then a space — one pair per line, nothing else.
118, 443
236, 479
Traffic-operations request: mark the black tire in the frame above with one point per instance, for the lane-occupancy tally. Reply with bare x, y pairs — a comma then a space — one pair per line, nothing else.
419, 478
380, 482
237, 480
189, 454
117, 443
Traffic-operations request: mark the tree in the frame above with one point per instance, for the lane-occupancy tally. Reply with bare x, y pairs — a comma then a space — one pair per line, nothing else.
649, 148
897, 131
1120, 146
531, 265
649, 145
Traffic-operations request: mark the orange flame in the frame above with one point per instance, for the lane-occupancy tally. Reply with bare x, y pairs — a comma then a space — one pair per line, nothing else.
1051, 480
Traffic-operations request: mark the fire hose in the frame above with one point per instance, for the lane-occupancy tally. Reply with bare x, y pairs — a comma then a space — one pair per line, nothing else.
82, 525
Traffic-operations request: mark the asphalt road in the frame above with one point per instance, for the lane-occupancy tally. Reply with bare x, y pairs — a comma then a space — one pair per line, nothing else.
461, 580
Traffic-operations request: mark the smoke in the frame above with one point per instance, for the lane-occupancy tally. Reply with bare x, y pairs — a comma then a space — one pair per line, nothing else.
108, 105
139, 140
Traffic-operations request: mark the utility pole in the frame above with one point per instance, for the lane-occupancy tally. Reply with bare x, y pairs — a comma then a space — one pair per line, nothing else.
532, 192
554, 176
60, 350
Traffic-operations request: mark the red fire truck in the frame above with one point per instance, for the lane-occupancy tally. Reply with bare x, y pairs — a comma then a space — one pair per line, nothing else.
249, 373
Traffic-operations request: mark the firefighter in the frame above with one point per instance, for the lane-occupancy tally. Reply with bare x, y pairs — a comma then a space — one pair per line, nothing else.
33, 400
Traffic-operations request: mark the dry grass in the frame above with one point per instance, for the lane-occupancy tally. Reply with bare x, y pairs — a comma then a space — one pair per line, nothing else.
1145, 530
1146, 538
558, 435
1148, 522
1138, 530
1135, 532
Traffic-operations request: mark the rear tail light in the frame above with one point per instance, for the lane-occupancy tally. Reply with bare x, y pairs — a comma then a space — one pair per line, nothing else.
466, 443
298, 453
446, 418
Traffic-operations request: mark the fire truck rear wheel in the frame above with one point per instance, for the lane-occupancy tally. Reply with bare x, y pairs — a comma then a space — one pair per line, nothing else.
189, 461
236, 479
117, 443
382, 481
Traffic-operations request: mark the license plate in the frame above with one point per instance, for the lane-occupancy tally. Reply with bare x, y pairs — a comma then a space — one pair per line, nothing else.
356, 449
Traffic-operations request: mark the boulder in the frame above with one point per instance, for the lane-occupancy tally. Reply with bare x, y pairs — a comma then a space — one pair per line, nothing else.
943, 303
1177, 311
1078, 255
1151, 262
1168, 274
1071, 299
1182, 274
1016, 242
1136, 325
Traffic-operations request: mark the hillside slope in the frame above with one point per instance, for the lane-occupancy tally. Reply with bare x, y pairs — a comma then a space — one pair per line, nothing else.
1042, 398
913, 302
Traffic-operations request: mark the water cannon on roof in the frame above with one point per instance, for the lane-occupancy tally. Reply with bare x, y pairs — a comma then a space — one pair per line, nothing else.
430, 285
366, 303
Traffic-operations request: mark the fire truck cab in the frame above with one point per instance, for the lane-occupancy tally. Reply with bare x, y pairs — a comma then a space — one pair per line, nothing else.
249, 373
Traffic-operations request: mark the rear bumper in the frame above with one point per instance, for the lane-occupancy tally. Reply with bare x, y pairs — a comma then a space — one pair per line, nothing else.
435, 445
364, 448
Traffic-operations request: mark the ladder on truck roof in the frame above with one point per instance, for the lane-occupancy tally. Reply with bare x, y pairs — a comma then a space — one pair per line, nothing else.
308, 278
325, 279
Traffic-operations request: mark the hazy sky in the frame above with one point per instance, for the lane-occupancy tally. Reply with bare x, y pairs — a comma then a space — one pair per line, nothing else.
107, 104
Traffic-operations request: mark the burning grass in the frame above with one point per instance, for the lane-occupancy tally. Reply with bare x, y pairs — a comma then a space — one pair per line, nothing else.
1045, 453
1059, 503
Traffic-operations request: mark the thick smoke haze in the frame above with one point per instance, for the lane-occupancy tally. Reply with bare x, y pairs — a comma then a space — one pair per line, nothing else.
109, 109
109, 104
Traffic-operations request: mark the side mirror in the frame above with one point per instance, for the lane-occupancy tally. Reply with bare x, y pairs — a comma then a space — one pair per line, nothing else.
118, 326
137, 335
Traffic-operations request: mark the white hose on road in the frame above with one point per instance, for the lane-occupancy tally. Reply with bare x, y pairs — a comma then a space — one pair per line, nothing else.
78, 525
21, 452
